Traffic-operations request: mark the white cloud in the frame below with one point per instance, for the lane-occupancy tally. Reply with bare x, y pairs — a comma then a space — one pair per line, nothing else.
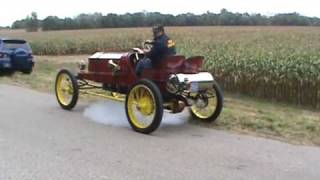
72, 8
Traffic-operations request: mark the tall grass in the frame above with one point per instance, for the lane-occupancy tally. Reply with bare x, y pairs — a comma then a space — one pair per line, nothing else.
277, 63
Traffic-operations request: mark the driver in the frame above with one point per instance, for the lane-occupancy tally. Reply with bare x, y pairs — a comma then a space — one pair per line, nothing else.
162, 46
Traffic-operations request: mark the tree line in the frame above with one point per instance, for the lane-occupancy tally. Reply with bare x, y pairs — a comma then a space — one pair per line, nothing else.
146, 19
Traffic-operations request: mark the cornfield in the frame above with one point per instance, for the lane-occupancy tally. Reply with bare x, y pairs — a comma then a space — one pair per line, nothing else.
275, 63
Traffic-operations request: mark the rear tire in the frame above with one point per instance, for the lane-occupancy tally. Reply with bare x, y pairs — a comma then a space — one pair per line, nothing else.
212, 116
66, 89
27, 71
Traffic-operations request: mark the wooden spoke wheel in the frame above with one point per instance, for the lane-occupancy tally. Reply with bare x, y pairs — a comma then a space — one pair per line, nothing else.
144, 107
208, 106
66, 89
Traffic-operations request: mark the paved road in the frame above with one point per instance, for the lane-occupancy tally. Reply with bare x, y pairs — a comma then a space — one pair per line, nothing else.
40, 141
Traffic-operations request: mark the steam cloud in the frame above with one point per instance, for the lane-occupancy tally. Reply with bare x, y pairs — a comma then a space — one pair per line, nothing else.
113, 113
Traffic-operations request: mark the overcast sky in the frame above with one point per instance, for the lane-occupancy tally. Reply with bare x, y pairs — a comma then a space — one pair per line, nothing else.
12, 10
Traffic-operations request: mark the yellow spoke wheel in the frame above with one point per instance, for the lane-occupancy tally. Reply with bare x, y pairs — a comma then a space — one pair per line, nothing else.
66, 89
209, 106
144, 107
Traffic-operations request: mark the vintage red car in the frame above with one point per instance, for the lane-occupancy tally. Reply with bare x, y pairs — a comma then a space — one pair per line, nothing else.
177, 82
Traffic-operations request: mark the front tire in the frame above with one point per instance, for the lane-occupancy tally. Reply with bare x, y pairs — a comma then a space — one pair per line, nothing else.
66, 89
27, 71
213, 108
144, 107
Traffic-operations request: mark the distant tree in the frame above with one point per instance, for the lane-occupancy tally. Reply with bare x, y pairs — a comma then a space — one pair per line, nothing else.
19, 24
32, 22
291, 19
4, 27
86, 21
144, 19
53, 23
68, 23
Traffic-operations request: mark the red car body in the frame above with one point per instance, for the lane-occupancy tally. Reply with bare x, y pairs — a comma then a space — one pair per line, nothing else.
99, 70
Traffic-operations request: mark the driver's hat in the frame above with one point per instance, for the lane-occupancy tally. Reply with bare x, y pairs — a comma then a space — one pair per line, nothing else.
157, 28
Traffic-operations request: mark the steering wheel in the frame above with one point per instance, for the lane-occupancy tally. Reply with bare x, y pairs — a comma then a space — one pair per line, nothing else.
137, 54
147, 45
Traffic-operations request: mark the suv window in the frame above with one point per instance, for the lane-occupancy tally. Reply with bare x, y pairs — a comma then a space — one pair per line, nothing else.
15, 44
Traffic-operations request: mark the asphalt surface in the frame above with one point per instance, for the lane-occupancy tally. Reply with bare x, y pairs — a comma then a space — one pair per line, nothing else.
40, 141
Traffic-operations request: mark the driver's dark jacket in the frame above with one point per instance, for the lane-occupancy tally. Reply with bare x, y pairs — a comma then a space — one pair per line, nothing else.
162, 46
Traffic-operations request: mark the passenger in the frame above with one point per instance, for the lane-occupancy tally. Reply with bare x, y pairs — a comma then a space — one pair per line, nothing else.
162, 46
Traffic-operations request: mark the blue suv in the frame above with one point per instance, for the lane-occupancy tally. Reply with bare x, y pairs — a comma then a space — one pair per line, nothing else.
16, 55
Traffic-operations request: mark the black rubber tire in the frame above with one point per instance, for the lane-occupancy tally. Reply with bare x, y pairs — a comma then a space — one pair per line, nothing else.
158, 110
75, 86
218, 109
27, 71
